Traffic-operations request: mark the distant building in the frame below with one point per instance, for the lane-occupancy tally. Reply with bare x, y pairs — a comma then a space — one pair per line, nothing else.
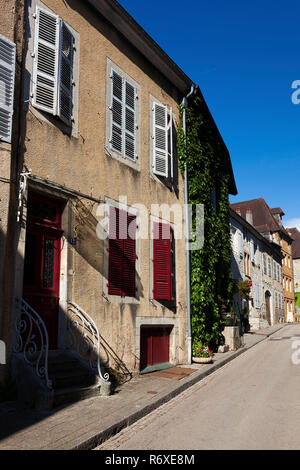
295, 234
257, 259
268, 222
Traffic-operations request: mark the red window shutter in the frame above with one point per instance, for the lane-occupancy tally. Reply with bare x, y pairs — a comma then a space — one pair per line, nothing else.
122, 253
115, 254
161, 261
129, 250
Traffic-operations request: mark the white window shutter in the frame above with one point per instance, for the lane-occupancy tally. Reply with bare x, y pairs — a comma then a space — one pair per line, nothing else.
65, 81
258, 256
116, 130
160, 143
130, 121
7, 83
45, 69
241, 244
170, 141
252, 251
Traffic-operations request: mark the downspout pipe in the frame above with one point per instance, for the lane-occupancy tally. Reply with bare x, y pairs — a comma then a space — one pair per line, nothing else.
187, 235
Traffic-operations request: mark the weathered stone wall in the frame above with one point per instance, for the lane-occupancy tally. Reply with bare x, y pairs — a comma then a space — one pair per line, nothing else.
266, 283
296, 266
288, 281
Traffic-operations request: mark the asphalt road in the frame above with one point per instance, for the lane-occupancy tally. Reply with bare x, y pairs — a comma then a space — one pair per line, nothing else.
251, 403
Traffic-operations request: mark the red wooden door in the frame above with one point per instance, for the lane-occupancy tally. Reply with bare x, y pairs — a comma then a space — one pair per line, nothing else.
155, 346
42, 261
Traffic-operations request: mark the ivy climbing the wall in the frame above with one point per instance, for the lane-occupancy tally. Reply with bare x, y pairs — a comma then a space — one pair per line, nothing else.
208, 184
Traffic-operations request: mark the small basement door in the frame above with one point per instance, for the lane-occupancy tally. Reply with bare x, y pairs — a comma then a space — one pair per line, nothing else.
155, 346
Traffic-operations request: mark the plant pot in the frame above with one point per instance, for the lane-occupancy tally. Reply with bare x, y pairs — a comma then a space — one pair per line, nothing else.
202, 360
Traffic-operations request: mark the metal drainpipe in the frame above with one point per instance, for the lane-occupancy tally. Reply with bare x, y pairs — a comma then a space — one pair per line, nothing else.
187, 236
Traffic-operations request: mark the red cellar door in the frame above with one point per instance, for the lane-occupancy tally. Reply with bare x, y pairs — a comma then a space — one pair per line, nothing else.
155, 346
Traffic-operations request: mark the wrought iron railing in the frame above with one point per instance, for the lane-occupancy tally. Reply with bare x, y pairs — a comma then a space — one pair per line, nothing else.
32, 339
84, 338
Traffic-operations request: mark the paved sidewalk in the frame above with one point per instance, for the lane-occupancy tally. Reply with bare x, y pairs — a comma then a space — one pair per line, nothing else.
86, 424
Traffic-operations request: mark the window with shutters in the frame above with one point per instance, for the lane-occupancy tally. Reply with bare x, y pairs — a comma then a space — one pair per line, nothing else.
122, 129
7, 83
265, 264
163, 262
269, 268
54, 66
163, 160
252, 251
257, 296
122, 253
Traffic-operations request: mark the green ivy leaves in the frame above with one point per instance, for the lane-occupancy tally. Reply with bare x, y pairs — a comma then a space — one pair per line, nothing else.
211, 280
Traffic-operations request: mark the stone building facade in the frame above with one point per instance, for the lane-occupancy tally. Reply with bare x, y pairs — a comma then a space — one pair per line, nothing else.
283, 237
255, 258
268, 222
295, 234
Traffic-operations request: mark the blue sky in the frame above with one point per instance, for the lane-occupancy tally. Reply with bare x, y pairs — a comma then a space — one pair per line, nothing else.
244, 57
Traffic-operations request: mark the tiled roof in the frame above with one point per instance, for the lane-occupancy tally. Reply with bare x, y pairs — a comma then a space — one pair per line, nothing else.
263, 219
277, 210
295, 234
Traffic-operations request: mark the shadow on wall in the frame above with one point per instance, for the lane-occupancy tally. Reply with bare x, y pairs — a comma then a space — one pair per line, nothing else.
89, 246
118, 40
31, 390
21, 378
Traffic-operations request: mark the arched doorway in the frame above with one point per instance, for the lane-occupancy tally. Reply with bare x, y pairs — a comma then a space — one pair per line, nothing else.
268, 306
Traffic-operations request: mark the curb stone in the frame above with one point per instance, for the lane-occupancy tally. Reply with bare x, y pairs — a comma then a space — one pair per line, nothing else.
103, 436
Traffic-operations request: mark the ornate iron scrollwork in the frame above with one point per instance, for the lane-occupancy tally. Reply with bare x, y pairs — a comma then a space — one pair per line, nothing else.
84, 337
32, 340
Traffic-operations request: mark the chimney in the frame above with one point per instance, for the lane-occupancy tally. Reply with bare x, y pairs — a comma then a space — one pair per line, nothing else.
238, 211
249, 216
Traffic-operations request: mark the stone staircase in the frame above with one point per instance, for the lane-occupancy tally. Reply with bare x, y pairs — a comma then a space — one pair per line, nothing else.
71, 379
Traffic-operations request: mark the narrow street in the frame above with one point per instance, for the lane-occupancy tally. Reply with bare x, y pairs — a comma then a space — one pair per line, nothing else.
251, 403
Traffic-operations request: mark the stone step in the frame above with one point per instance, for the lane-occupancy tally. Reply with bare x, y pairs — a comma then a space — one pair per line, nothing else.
62, 365
72, 378
71, 394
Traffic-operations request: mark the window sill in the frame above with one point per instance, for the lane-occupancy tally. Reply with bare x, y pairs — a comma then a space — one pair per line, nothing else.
134, 165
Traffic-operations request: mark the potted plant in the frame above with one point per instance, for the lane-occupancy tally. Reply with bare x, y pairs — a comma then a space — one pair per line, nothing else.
201, 354
244, 289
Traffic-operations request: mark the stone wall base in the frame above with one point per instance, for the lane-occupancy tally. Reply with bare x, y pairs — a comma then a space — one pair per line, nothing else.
232, 337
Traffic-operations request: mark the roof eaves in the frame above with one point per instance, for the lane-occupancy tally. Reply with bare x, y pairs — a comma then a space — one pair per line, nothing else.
140, 39
136, 35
